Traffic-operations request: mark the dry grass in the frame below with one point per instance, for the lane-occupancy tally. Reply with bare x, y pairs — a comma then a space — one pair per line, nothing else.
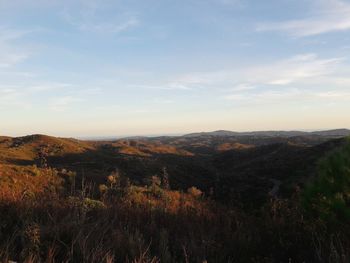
150, 224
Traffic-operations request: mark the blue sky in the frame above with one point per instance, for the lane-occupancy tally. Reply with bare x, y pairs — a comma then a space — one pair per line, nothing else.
103, 68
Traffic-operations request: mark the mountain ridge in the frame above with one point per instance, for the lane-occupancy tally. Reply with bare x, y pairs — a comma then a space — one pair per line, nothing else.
273, 133
341, 132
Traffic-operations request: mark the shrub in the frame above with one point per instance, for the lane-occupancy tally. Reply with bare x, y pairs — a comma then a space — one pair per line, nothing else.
103, 189
194, 192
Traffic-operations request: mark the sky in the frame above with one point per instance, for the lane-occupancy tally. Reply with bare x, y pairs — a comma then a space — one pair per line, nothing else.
79, 68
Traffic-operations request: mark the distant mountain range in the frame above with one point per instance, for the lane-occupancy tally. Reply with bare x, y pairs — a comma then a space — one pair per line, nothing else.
224, 133
335, 133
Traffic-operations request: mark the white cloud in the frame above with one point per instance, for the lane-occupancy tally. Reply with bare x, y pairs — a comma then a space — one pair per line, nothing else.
7, 92
284, 72
23, 95
266, 96
9, 59
143, 111
317, 79
273, 96
11, 97
235, 3
63, 103
87, 18
113, 28
11, 54
299, 68
338, 95
330, 16
165, 86
162, 101
49, 86
275, 82
243, 87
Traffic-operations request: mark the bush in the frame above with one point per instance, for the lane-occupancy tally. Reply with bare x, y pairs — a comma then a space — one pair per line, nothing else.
194, 192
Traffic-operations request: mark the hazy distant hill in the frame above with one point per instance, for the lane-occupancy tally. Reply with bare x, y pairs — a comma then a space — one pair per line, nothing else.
214, 133
223, 133
333, 133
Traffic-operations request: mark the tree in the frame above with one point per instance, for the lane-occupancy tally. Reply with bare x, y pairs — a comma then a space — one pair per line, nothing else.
165, 179
328, 196
42, 155
114, 179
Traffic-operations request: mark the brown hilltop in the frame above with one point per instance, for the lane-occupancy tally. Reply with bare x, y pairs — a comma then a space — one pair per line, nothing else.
233, 146
21, 149
147, 148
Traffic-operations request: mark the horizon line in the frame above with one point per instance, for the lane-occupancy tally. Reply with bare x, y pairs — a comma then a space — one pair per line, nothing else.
152, 135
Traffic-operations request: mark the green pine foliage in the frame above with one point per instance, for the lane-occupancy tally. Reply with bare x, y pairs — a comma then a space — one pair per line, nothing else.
328, 196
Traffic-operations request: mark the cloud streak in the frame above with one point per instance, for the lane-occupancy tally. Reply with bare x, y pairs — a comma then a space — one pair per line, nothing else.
63, 103
166, 86
105, 27
282, 97
10, 54
301, 78
88, 19
331, 16
284, 72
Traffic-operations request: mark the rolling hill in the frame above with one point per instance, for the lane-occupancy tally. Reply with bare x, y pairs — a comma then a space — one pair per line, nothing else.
229, 165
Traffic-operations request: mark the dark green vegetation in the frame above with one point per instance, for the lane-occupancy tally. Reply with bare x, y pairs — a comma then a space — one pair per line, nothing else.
196, 198
328, 196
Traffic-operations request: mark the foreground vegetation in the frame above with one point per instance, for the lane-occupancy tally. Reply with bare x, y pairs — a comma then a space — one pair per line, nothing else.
47, 216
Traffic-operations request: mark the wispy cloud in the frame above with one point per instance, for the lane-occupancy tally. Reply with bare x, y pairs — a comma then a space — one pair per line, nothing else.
8, 59
330, 16
162, 101
25, 95
113, 28
273, 96
10, 97
41, 87
284, 72
11, 54
63, 103
304, 77
166, 86
87, 18
338, 95
143, 111
298, 68
282, 81
235, 3
105, 27
243, 87
266, 96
